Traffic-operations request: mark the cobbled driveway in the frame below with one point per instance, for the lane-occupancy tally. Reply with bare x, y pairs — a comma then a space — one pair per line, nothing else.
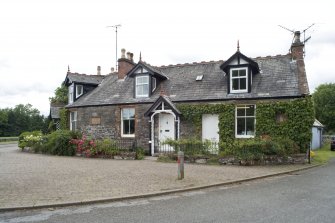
34, 179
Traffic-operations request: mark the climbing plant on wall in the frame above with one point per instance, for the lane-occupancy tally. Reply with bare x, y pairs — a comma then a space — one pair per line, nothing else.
63, 114
286, 119
291, 119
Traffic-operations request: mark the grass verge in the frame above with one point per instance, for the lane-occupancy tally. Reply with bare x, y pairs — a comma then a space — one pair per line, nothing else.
323, 155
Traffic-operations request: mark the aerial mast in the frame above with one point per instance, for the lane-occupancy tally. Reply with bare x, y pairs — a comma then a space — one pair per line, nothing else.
115, 26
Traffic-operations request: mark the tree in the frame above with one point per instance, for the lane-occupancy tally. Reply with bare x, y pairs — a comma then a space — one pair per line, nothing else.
61, 95
14, 121
324, 105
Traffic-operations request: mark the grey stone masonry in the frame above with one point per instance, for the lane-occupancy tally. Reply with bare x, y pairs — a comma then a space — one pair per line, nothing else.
105, 122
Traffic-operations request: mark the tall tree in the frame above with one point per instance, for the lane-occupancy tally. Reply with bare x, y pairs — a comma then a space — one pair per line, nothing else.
61, 95
14, 121
324, 104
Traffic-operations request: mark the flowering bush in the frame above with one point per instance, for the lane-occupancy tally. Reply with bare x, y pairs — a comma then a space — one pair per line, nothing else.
85, 146
30, 139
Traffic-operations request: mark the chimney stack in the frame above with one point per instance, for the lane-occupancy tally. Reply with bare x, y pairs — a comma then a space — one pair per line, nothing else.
125, 64
297, 47
297, 53
123, 53
98, 70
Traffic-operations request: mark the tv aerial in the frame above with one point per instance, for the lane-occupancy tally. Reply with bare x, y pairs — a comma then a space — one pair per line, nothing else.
303, 32
115, 26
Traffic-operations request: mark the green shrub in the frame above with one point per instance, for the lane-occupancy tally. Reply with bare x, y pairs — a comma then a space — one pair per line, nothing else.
107, 147
192, 147
139, 153
255, 149
58, 143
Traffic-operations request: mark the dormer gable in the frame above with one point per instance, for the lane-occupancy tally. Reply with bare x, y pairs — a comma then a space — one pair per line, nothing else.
239, 70
147, 79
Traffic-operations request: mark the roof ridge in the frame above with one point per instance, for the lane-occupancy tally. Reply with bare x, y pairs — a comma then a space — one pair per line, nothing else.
189, 64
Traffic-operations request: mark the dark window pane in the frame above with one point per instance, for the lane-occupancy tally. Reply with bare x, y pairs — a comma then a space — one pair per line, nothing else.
235, 84
131, 126
234, 73
240, 111
243, 83
240, 126
242, 73
125, 127
250, 111
250, 126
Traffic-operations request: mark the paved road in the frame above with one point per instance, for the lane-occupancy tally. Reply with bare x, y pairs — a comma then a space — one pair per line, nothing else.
34, 179
307, 196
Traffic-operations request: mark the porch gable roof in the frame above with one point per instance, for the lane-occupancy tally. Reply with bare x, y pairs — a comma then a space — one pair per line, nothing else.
158, 102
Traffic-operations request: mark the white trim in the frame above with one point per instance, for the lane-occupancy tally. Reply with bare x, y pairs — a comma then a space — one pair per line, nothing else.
127, 135
231, 80
74, 120
153, 80
70, 96
254, 116
152, 121
82, 90
141, 84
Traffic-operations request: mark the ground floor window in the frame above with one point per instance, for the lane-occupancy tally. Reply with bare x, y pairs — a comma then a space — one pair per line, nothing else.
245, 121
128, 122
73, 121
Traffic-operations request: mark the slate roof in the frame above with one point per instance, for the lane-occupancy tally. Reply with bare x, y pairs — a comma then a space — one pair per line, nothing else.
83, 78
278, 77
54, 112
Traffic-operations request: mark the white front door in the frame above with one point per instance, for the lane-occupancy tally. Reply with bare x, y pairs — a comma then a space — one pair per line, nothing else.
166, 130
210, 130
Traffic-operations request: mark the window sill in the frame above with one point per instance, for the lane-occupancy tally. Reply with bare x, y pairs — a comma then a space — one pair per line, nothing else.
128, 136
244, 136
238, 92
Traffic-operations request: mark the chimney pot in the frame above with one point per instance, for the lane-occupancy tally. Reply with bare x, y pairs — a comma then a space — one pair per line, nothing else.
112, 69
99, 70
128, 55
123, 53
132, 57
297, 37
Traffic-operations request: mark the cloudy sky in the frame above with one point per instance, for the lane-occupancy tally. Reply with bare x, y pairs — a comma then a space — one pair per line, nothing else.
40, 38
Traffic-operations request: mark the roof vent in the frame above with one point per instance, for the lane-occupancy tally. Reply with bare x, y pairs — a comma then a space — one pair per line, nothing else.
199, 77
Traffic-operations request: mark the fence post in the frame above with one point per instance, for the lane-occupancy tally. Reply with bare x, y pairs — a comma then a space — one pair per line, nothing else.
180, 165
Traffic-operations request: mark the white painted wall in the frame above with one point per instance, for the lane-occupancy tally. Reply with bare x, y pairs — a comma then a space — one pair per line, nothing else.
210, 127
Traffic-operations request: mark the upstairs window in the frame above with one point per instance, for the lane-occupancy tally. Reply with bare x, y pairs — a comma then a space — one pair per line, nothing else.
142, 86
79, 90
245, 121
128, 122
71, 94
238, 80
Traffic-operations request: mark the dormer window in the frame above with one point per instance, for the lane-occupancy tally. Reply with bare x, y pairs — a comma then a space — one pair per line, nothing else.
239, 80
79, 90
142, 86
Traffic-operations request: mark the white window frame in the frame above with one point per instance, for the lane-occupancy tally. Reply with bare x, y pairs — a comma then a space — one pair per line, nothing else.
154, 84
70, 94
82, 90
246, 80
73, 121
245, 117
122, 127
141, 84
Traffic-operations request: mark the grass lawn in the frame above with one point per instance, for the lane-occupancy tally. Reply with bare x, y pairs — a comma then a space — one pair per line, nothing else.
323, 155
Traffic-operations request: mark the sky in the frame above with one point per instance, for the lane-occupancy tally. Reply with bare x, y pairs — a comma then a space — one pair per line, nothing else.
39, 39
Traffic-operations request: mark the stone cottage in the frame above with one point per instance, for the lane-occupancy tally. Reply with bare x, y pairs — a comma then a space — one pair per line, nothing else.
142, 102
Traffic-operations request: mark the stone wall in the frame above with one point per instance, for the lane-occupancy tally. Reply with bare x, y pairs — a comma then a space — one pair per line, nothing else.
105, 122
